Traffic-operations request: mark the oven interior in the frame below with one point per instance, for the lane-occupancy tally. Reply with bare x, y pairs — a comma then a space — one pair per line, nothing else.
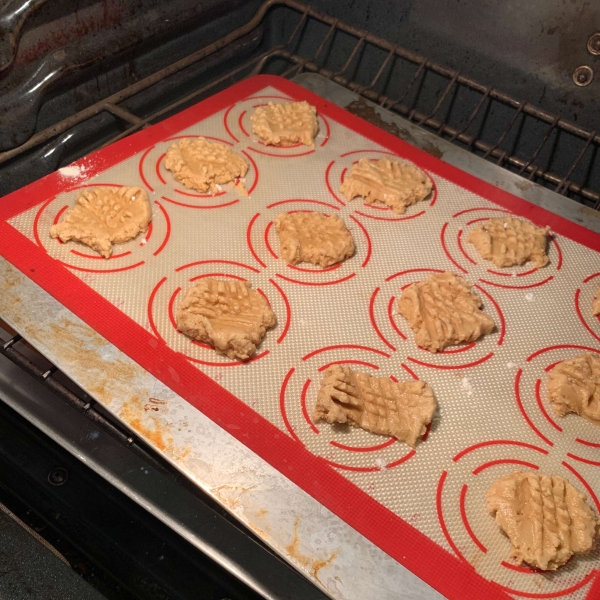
516, 84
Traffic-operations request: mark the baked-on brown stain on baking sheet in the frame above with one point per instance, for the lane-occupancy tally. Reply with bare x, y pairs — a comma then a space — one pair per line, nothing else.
314, 565
231, 494
68, 339
69, 343
151, 427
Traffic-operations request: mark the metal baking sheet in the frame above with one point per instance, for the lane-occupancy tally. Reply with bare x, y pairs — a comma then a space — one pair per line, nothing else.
426, 507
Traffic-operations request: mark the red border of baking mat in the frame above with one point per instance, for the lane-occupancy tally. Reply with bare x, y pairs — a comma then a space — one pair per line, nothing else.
425, 558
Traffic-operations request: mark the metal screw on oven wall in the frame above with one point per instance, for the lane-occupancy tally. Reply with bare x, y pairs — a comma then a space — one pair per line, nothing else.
583, 75
593, 44
58, 476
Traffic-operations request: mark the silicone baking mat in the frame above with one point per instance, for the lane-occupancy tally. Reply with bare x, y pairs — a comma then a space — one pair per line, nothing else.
425, 507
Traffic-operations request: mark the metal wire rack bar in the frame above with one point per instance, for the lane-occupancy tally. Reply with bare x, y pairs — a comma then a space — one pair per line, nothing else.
540, 146
395, 102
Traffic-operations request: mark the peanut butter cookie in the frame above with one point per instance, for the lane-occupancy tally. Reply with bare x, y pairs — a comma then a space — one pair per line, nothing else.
444, 311
286, 124
546, 519
202, 165
228, 315
509, 241
313, 237
395, 183
378, 404
103, 216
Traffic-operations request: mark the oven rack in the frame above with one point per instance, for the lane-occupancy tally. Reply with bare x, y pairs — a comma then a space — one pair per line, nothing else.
545, 148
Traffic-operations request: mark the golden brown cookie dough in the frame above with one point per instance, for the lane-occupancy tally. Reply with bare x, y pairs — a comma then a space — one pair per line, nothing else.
509, 241
313, 237
596, 304
228, 315
202, 165
395, 183
444, 311
103, 216
574, 386
378, 404
286, 124
546, 519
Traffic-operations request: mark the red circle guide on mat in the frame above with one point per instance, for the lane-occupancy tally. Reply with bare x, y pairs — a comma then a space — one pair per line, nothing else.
440, 566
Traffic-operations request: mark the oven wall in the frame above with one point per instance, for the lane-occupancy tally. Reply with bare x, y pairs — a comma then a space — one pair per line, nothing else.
526, 48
